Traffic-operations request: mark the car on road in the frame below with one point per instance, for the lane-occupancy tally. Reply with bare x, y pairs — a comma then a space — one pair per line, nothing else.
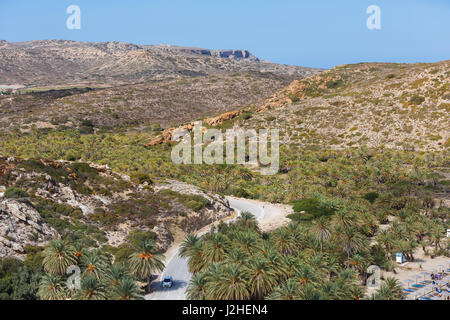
167, 282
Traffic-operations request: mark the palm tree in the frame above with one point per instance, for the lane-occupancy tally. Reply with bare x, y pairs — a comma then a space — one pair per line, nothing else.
262, 277
319, 261
347, 281
362, 263
389, 290
289, 290
187, 247
197, 288
247, 241
95, 263
287, 267
79, 250
343, 219
248, 221
274, 261
285, 242
218, 184
58, 256
144, 261
386, 240
212, 276
127, 289
237, 256
215, 248
351, 241
232, 285
321, 231
332, 265
395, 287
305, 273
196, 261
51, 287
309, 292
436, 236
115, 274
91, 289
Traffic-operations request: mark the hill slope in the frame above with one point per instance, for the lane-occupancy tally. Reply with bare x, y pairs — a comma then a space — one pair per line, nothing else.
57, 62
402, 106
41, 200
157, 102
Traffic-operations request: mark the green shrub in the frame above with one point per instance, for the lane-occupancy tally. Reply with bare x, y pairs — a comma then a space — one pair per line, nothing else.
86, 127
15, 193
48, 208
246, 115
19, 280
141, 178
191, 201
137, 237
371, 196
84, 171
309, 209
417, 100
57, 174
334, 84
294, 98
34, 258
241, 193
120, 253
156, 127
435, 138
106, 219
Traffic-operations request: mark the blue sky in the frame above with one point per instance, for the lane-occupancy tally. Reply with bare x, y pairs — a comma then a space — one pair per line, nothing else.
316, 33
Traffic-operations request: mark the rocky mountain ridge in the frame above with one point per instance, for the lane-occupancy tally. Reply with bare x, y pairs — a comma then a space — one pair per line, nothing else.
229, 54
62, 62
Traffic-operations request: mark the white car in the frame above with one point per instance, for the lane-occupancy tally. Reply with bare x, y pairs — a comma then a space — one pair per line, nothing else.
167, 282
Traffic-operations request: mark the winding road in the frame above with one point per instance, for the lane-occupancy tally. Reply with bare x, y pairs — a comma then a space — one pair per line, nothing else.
177, 267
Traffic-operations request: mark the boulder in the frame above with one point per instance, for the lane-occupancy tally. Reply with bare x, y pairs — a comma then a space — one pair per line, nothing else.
22, 225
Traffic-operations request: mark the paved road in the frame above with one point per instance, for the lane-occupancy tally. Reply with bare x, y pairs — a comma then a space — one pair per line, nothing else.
177, 266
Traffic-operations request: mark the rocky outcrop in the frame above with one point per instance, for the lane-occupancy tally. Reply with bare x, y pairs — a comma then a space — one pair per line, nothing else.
234, 54
164, 237
223, 117
166, 136
296, 91
218, 208
110, 205
21, 225
64, 194
226, 54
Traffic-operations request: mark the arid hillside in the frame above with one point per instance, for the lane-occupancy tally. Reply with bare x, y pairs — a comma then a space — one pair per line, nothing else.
61, 62
158, 103
42, 200
400, 106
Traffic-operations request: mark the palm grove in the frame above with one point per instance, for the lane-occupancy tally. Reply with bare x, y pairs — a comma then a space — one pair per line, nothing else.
99, 277
335, 233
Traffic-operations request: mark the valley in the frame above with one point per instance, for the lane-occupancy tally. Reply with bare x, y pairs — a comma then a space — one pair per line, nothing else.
86, 173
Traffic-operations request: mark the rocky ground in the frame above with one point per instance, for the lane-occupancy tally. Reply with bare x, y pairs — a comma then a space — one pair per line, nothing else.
57, 62
378, 105
20, 225
41, 200
148, 106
